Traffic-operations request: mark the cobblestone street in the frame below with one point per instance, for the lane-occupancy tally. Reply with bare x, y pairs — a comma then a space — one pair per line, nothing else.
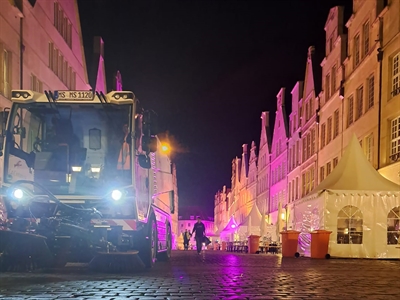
217, 275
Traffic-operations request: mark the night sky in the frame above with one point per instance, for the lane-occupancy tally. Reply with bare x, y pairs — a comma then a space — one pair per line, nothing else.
208, 68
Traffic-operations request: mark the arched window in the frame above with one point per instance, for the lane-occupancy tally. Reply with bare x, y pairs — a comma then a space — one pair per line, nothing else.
349, 225
393, 226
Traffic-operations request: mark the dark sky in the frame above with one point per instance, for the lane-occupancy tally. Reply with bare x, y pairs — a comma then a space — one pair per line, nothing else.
208, 68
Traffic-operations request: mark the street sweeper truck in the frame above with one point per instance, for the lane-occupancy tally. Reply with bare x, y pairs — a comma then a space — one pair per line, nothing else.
83, 179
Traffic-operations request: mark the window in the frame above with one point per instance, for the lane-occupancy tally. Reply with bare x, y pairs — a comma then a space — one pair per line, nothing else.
62, 24
297, 187
393, 226
5, 72
312, 141
290, 191
395, 75
304, 143
395, 139
312, 180
321, 174
307, 182
335, 162
350, 112
307, 111
308, 146
36, 84
350, 225
327, 87
369, 144
336, 124
297, 153
329, 131
365, 39
323, 132
300, 115
357, 50
328, 168
371, 90
333, 85
303, 184
360, 96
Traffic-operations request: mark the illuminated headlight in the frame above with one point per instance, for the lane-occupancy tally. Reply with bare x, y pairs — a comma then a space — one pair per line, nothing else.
76, 169
116, 195
95, 169
18, 194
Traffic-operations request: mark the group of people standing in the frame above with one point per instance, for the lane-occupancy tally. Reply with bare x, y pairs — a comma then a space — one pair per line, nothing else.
200, 231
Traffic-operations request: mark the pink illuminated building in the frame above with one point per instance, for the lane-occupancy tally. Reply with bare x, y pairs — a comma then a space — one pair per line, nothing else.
354, 90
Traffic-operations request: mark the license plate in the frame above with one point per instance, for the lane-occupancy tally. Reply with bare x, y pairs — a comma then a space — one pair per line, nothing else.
73, 95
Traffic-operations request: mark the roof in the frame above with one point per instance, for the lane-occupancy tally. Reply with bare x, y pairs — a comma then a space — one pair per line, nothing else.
231, 226
355, 172
253, 218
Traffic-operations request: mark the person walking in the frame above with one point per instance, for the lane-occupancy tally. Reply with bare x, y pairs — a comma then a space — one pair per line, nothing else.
200, 230
186, 239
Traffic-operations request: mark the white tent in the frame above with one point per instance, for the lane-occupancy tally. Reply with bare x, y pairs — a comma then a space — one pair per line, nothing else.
359, 206
228, 233
250, 225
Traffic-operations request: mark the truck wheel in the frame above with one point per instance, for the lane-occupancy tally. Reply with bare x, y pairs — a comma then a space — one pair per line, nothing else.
166, 255
148, 252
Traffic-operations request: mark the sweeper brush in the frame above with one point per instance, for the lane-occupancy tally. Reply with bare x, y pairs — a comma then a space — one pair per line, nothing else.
20, 251
116, 262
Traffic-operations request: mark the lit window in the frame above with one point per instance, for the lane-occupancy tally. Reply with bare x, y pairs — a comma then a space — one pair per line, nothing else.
357, 50
333, 85
336, 124
396, 75
393, 226
371, 90
360, 101
395, 139
350, 225
350, 111
365, 39
329, 131
327, 87
323, 133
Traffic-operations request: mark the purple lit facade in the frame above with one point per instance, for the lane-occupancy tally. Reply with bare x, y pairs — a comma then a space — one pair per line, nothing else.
338, 97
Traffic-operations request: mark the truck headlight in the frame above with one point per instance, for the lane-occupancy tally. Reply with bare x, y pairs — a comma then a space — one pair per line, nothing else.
18, 194
116, 195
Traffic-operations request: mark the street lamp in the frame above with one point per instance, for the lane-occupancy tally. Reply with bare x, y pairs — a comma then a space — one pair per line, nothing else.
164, 148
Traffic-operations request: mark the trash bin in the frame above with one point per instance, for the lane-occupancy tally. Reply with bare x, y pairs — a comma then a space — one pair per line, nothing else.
223, 246
320, 243
290, 240
254, 243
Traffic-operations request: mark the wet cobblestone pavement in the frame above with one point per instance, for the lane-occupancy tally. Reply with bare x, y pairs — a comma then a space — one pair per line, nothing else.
217, 275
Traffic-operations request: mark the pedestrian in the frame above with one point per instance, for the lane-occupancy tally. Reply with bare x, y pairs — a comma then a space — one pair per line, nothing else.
200, 230
186, 239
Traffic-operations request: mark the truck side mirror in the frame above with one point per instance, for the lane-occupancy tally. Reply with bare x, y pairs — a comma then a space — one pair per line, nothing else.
150, 126
144, 161
149, 144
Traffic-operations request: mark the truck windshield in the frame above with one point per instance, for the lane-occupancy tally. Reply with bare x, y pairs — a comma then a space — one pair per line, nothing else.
71, 149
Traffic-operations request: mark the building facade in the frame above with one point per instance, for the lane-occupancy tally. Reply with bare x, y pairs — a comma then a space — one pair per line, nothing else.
355, 90
40, 47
